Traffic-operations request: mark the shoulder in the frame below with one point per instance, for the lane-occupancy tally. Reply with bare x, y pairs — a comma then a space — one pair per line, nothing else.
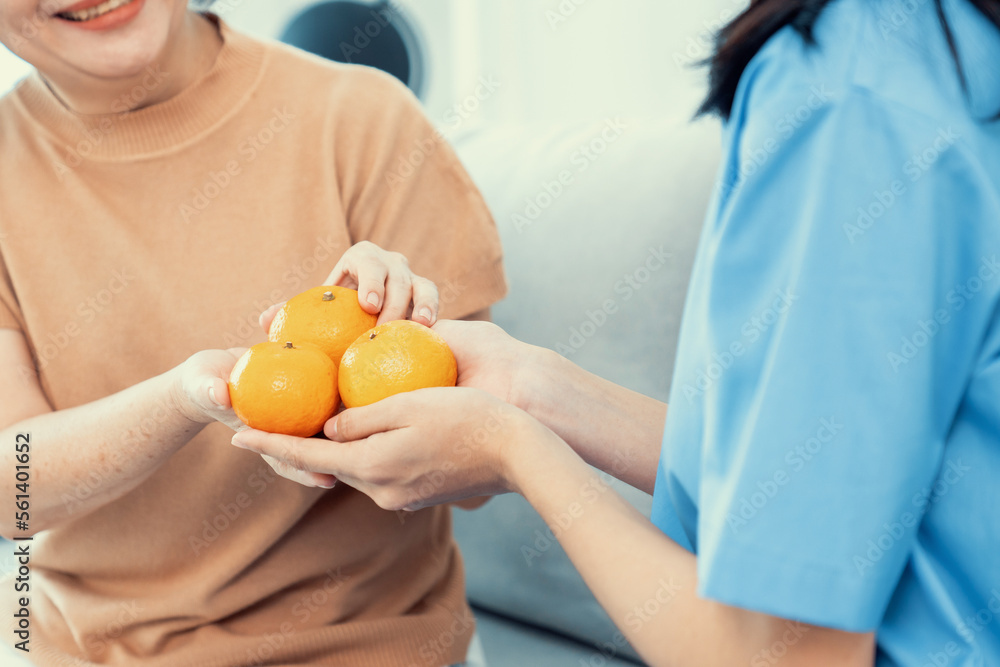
355, 91
890, 55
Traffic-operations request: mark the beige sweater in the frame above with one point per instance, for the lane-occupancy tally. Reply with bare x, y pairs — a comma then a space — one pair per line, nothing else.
129, 242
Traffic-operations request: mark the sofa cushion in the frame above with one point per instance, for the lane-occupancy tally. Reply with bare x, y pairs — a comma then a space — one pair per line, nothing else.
599, 225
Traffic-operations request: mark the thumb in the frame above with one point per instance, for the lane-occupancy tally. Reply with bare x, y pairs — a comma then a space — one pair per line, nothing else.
218, 394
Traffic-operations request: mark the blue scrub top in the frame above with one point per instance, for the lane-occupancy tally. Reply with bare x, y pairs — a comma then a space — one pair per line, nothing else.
832, 449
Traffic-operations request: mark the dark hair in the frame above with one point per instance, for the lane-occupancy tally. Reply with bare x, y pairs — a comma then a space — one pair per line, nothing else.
739, 41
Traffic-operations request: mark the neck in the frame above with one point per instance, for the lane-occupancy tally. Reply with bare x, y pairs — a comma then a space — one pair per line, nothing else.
187, 57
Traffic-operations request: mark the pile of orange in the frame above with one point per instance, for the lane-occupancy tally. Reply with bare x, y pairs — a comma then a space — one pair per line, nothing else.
323, 347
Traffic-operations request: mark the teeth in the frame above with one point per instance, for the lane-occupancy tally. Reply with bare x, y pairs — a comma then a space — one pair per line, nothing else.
94, 12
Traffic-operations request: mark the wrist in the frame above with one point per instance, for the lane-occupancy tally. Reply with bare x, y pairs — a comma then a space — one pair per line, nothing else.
532, 452
539, 382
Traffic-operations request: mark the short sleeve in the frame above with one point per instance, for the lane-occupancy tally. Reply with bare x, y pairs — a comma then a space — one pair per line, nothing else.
844, 292
412, 195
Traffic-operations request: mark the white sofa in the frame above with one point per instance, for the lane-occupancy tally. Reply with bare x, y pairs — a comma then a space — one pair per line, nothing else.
599, 224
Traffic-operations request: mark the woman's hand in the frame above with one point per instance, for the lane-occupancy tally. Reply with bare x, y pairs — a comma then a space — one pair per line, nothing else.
203, 387
203, 397
414, 450
385, 285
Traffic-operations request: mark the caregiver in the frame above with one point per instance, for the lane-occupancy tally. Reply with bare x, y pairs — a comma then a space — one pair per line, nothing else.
861, 174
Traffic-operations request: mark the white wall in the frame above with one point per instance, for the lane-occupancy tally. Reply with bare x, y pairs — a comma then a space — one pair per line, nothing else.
555, 60
12, 70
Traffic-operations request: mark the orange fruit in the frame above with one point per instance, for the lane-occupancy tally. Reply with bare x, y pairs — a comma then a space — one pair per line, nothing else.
284, 388
328, 317
393, 358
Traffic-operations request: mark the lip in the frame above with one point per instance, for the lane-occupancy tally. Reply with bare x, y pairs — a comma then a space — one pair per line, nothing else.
110, 21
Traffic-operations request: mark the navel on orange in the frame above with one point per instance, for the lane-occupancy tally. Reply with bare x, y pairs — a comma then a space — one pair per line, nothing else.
393, 358
328, 317
284, 388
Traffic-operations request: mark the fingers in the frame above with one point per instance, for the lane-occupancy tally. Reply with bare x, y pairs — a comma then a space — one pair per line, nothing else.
360, 423
386, 286
302, 477
267, 317
425, 301
398, 295
306, 455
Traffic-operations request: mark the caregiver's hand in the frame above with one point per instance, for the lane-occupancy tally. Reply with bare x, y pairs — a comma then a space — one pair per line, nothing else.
612, 428
492, 360
417, 449
386, 286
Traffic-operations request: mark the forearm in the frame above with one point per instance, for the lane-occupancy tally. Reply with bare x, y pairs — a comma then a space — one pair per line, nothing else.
646, 582
85, 457
611, 427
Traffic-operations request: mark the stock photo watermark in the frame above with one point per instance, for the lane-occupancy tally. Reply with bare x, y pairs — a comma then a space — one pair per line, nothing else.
957, 299
913, 170
952, 472
625, 289
581, 160
249, 149
752, 330
795, 460
754, 159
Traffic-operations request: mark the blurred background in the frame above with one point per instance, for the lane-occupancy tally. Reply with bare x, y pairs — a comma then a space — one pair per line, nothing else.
573, 118
555, 59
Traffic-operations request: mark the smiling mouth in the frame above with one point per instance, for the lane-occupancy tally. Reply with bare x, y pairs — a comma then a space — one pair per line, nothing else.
94, 12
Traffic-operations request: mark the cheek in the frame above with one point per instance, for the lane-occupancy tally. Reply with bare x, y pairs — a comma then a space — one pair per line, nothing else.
20, 19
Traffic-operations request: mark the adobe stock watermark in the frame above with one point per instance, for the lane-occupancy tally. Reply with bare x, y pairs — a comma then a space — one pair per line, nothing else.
913, 170
751, 332
96, 135
952, 472
435, 480
899, 14
381, 18
967, 628
754, 159
87, 310
249, 149
625, 289
131, 441
421, 149
582, 159
562, 12
432, 651
795, 460
229, 513
702, 46
307, 605
127, 615
561, 522
957, 299
636, 619
773, 654
29, 28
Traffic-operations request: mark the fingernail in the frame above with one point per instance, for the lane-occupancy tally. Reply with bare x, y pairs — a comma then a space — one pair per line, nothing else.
373, 298
211, 395
324, 486
238, 441
331, 428
426, 314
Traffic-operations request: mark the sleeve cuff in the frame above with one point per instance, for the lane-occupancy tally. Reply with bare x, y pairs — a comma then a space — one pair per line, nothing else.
473, 292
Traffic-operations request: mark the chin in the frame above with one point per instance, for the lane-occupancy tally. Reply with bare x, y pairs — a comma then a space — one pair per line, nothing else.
122, 52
